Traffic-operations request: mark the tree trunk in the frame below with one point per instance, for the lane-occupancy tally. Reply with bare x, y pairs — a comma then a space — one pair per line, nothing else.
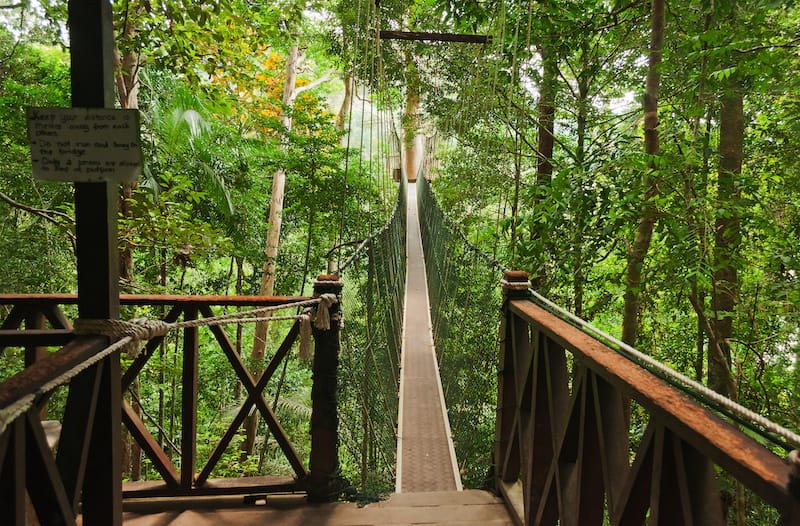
644, 230
412, 138
126, 76
547, 112
727, 234
545, 140
273, 236
515, 199
344, 109
578, 205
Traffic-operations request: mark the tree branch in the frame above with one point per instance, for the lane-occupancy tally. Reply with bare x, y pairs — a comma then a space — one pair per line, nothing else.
311, 85
48, 215
787, 45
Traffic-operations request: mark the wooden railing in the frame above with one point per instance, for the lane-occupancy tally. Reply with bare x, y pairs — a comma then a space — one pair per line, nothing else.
57, 484
563, 451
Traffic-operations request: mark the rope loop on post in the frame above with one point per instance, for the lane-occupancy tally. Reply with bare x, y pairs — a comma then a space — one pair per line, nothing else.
322, 319
137, 329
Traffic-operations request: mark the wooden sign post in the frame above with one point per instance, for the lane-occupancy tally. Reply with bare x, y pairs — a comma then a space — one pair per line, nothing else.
94, 467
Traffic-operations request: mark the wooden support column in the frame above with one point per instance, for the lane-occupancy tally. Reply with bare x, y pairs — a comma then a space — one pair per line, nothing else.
189, 400
507, 448
35, 320
96, 204
515, 285
324, 480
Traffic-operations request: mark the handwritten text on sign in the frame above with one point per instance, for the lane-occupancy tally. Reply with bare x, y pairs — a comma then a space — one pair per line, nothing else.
85, 145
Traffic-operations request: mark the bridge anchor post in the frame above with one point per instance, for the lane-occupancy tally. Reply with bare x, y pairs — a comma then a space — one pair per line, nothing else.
515, 285
325, 482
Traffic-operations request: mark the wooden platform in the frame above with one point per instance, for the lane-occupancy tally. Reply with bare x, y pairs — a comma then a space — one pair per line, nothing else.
449, 508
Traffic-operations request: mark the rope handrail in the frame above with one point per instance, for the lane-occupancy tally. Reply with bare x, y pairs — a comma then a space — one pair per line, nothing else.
140, 329
399, 202
373, 297
455, 228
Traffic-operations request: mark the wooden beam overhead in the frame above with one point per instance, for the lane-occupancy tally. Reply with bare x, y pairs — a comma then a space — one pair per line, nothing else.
434, 37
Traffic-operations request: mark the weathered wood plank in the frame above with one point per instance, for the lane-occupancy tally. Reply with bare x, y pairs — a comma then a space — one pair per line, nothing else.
466, 508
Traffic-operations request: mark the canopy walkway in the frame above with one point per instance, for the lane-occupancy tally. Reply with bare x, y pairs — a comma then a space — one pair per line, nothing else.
564, 449
426, 458
585, 430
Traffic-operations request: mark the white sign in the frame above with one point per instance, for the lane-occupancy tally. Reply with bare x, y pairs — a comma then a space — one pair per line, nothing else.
85, 144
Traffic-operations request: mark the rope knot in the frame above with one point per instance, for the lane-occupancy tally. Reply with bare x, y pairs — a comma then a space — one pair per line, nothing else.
322, 319
137, 330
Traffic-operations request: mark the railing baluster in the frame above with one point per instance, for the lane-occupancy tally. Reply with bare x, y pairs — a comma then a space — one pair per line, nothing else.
12, 475
189, 399
612, 444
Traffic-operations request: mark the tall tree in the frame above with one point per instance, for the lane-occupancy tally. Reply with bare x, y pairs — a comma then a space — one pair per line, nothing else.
274, 223
727, 235
644, 230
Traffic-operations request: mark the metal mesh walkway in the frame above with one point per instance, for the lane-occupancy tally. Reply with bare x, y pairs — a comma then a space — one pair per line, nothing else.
425, 456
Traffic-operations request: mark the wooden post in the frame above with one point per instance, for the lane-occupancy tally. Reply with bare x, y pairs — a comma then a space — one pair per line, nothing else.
515, 285
189, 400
324, 480
34, 320
96, 204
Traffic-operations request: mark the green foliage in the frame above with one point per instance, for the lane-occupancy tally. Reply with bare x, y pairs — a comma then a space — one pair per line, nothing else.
37, 245
210, 100
465, 302
372, 300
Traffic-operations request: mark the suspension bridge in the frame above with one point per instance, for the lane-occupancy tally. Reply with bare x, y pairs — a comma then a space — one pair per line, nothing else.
583, 428
561, 451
